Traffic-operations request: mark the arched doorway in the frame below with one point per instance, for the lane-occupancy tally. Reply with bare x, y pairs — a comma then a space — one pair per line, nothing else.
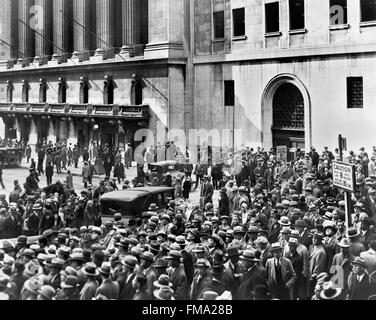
286, 114
288, 117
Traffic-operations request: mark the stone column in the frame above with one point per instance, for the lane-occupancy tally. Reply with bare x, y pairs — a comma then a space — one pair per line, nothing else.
42, 23
2, 128
33, 136
82, 13
132, 24
62, 29
9, 32
51, 132
105, 27
165, 24
72, 135
25, 34
17, 126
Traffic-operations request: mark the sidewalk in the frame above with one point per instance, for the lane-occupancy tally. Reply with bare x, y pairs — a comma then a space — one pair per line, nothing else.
131, 173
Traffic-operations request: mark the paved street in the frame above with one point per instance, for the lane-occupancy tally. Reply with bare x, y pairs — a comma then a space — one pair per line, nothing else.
20, 174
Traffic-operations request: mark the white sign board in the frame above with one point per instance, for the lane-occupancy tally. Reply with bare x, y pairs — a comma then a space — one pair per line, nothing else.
344, 176
282, 153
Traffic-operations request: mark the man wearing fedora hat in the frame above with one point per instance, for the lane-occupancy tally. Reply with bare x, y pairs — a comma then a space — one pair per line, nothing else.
69, 289
253, 275
54, 276
177, 275
281, 276
46, 293
201, 278
356, 247
234, 268
317, 260
358, 281
108, 287
341, 265
148, 270
126, 277
89, 290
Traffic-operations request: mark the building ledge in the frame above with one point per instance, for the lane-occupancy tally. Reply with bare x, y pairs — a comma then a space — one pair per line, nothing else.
298, 31
218, 40
239, 38
64, 110
268, 54
339, 27
273, 34
367, 24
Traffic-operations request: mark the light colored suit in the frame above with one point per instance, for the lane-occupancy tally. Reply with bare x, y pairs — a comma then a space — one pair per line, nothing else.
317, 260
288, 275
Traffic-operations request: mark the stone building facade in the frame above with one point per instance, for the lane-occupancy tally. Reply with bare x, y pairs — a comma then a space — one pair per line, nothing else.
294, 72
82, 70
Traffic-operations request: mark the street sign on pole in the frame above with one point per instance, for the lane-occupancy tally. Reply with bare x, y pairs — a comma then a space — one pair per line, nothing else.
282, 153
344, 176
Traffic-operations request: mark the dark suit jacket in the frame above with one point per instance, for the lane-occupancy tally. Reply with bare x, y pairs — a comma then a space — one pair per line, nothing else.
110, 289
358, 291
179, 283
188, 266
370, 208
367, 238
126, 289
274, 232
234, 274
255, 275
12, 227
197, 286
207, 192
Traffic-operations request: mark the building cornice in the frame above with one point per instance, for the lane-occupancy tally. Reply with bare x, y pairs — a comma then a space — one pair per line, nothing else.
255, 55
87, 66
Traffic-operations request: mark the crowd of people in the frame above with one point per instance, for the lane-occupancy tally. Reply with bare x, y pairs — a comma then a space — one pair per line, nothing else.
277, 231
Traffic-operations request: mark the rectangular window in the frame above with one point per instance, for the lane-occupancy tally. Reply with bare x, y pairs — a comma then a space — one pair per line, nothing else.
367, 10
238, 17
338, 12
272, 17
219, 24
354, 92
229, 93
296, 14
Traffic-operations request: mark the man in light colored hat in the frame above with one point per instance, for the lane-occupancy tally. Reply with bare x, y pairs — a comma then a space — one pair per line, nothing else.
341, 265
108, 287
265, 253
281, 276
317, 260
89, 290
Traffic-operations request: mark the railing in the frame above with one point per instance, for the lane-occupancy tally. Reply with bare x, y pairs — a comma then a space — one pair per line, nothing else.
83, 110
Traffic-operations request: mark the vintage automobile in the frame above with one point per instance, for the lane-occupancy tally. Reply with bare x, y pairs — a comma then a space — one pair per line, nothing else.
131, 203
11, 157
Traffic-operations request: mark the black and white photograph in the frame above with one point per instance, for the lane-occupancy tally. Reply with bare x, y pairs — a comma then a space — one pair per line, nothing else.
195, 151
